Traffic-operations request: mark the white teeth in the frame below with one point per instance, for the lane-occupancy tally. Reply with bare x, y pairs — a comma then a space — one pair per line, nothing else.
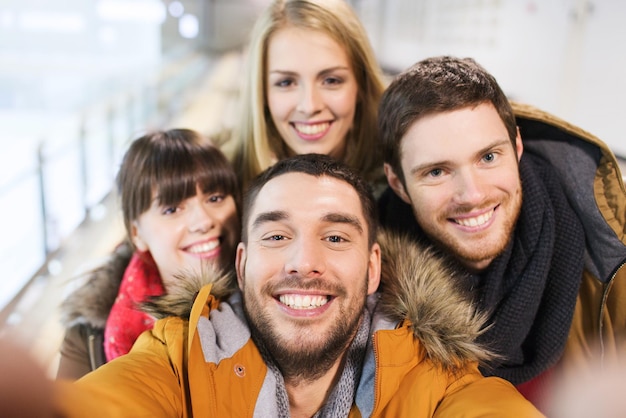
477, 221
309, 129
303, 302
205, 247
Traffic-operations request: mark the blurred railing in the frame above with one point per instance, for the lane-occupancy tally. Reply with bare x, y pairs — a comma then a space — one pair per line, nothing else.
60, 179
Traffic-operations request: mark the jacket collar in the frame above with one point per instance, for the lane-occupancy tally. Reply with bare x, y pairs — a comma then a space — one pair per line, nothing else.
417, 286
590, 176
420, 289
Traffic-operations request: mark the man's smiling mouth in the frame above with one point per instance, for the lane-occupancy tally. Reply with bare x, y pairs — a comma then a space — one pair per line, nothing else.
296, 301
476, 220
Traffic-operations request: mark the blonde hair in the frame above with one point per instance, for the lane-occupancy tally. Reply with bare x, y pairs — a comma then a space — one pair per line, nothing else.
259, 144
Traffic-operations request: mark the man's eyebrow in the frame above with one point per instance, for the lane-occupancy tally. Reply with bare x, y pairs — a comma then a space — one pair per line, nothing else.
429, 165
273, 216
482, 151
495, 144
344, 218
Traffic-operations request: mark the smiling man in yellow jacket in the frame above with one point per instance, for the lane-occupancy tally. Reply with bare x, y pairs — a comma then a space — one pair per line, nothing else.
308, 328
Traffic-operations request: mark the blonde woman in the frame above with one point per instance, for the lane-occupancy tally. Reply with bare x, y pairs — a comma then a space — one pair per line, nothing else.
312, 85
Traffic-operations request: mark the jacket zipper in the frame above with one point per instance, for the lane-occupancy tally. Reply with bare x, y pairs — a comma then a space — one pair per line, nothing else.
605, 296
376, 373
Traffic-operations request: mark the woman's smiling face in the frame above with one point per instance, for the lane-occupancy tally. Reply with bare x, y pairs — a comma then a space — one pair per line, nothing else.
311, 91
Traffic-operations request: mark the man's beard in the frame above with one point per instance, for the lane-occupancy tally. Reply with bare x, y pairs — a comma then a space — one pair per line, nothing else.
468, 255
299, 362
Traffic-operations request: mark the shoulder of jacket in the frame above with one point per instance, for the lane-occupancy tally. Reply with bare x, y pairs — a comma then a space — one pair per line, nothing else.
180, 297
91, 303
421, 289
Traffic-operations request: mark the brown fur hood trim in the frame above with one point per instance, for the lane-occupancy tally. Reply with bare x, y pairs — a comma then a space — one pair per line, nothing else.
416, 285
420, 286
91, 303
180, 297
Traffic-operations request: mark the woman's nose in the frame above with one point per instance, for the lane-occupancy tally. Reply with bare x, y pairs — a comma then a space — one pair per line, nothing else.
310, 100
200, 219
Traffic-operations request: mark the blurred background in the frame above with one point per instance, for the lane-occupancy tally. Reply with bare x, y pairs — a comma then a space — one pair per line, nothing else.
79, 79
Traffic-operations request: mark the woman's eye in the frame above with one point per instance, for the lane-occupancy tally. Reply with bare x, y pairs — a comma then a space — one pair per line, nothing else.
284, 83
169, 210
216, 198
333, 80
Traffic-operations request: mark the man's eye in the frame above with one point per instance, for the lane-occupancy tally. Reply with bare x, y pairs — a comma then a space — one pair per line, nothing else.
435, 173
276, 237
489, 157
335, 238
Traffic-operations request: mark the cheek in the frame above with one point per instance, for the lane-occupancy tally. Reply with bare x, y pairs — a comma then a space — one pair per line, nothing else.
279, 105
513, 181
147, 233
427, 202
250, 271
263, 265
345, 105
231, 221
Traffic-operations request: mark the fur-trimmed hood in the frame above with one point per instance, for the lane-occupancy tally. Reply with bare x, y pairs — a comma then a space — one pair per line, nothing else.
91, 303
420, 286
416, 285
181, 295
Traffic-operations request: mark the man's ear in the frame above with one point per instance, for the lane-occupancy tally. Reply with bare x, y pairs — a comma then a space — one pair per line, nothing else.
373, 273
396, 184
135, 236
519, 147
240, 264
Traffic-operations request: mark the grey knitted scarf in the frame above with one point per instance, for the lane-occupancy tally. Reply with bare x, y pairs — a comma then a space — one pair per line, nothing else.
342, 397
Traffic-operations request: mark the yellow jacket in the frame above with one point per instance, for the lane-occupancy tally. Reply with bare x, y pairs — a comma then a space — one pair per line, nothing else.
421, 360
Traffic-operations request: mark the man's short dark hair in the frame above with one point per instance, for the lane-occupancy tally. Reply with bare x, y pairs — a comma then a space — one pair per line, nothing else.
316, 165
434, 85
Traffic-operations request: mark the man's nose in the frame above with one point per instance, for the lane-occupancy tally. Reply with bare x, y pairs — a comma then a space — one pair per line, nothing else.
469, 187
306, 258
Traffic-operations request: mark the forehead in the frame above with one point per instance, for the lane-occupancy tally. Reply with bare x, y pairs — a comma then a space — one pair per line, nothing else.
446, 135
306, 198
291, 48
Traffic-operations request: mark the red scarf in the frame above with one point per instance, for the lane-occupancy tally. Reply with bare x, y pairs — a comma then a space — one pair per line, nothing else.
125, 322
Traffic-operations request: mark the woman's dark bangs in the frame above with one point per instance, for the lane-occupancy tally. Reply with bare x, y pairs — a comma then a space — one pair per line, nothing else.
175, 181
179, 181
217, 176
